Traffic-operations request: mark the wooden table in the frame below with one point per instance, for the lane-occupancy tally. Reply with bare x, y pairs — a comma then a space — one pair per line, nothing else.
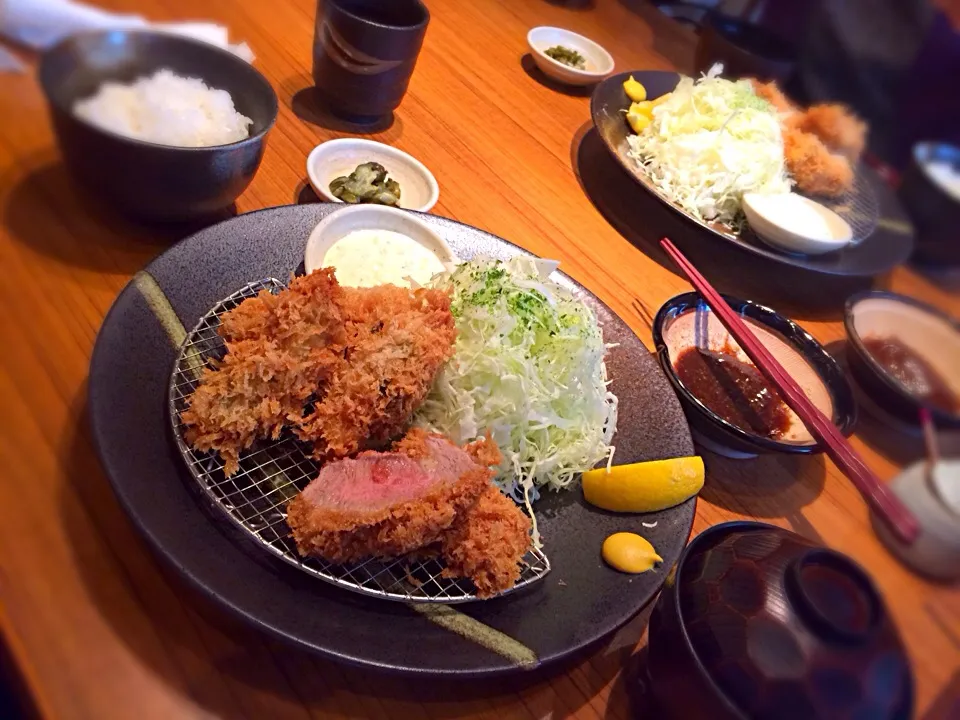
99, 630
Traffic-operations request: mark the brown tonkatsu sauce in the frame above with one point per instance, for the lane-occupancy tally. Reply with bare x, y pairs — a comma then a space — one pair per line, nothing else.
734, 390
913, 372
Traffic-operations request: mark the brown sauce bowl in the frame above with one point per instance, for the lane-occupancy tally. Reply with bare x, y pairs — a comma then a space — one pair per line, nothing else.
687, 321
928, 332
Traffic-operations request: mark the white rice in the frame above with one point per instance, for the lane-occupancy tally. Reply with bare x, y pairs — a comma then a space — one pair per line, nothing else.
166, 109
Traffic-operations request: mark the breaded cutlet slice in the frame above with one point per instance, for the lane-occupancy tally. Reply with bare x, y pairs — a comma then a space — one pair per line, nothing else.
386, 504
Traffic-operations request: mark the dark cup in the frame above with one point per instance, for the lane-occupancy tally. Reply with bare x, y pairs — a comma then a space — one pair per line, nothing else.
364, 52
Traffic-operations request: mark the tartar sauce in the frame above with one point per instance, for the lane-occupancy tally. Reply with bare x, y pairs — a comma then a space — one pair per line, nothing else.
365, 258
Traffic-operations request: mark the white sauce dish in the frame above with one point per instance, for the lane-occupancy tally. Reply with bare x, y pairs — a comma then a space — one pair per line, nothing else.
376, 245
337, 158
598, 63
796, 224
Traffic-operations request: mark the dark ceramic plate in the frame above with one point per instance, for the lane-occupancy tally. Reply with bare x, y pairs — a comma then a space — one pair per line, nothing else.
578, 604
883, 230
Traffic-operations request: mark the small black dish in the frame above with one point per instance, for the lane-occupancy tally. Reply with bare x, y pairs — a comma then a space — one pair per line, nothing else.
145, 180
930, 333
935, 212
364, 52
687, 321
745, 49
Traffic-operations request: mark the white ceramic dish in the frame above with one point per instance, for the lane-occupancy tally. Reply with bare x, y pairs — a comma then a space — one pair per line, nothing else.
599, 62
336, 158
796, 224
346, 220
934, 501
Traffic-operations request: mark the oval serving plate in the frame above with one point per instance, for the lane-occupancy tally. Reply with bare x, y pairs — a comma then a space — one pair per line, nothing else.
578, 604
883, 237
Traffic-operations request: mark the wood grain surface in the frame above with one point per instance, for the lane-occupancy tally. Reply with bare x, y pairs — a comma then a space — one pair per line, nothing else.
99, 630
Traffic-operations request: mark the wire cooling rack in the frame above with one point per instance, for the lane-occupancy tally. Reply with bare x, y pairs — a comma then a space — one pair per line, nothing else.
273, 472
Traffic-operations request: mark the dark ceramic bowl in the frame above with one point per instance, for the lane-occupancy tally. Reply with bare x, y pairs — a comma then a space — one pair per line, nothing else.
745, 49
931, 334
934, 211
686, 321
145, 180
760, 622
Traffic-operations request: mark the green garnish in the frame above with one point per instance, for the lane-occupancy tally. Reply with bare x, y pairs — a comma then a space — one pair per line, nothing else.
367, 184
567, 56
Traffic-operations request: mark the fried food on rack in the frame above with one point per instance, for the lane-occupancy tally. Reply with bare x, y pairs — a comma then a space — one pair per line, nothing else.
364, 357
425, 492
770, 92
815, 169
486, 543
386, 504
837, 127
397, 341
279, 349
821, 143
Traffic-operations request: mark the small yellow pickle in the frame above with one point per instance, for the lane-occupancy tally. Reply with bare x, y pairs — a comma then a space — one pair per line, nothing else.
634, 90
629, 553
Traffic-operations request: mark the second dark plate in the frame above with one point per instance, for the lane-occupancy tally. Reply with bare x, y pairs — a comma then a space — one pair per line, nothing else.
889, 244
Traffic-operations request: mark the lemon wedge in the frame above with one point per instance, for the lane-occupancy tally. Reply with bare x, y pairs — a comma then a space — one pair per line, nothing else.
644, 487
644, 107
629, 553
637, 121
661, 99
634, 90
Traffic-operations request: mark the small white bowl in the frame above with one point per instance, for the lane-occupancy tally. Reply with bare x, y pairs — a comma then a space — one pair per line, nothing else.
599, 62
343, 221
791, 222
934, 501
336, 158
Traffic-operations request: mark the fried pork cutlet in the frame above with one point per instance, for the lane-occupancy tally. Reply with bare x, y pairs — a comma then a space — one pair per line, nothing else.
815, 169
364, 357
838, 128
423, 495
280, 348
486, 543
397, 341
385, 504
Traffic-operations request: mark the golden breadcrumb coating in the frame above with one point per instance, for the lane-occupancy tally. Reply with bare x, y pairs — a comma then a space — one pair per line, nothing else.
815, 169
279, 350
487, 542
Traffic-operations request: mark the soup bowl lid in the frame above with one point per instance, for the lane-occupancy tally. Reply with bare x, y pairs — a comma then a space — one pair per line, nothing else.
784, 627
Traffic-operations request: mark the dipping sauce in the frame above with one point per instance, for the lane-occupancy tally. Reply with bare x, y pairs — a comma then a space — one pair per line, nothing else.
365, 258
914, 373
734, 390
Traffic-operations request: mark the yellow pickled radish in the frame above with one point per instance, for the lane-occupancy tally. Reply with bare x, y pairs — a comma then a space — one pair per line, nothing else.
629, 553
644, 487
637, 121
634, 90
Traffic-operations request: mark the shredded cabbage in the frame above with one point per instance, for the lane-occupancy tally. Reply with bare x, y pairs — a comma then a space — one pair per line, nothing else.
528, 367
709, 143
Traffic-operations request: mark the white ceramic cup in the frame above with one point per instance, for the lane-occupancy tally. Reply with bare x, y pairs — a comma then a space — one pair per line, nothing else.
934, 499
